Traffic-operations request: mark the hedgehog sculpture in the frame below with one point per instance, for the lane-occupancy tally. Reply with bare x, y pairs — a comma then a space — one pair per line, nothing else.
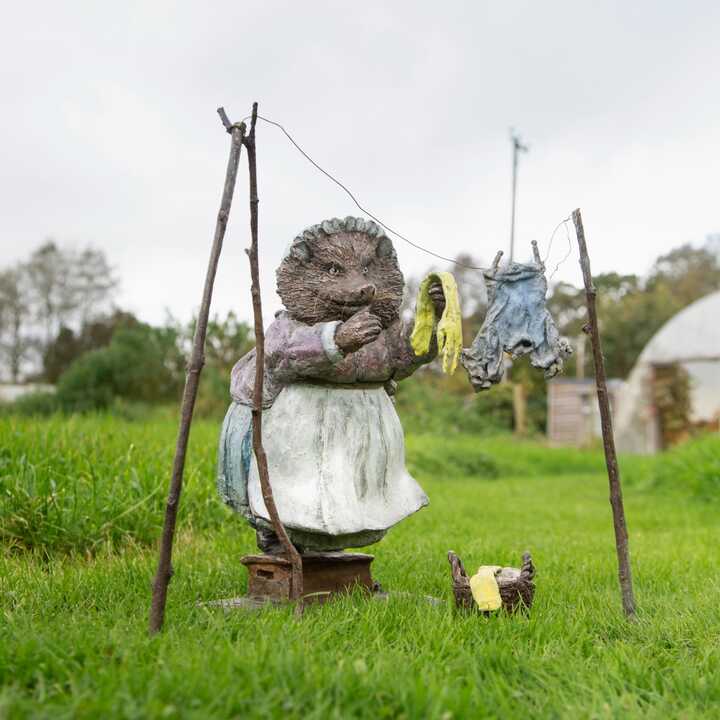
334, 443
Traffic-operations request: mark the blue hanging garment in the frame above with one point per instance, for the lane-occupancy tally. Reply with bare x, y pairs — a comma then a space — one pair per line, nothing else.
517, 322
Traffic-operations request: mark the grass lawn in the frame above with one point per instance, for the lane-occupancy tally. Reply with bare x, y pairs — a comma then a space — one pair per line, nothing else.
81, 500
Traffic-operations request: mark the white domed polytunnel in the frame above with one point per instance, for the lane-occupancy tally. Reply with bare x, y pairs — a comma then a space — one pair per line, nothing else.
690, 340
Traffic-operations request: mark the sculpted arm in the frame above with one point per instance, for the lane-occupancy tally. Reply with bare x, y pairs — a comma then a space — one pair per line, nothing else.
292, 351
297, 350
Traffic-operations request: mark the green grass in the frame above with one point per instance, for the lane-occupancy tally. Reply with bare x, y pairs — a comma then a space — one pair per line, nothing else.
81, 505
695, 466
79, 483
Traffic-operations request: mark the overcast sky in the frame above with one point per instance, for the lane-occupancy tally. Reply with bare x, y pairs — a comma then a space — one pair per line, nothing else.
110, 136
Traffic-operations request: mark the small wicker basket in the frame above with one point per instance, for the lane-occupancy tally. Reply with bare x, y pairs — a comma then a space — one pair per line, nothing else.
516, 586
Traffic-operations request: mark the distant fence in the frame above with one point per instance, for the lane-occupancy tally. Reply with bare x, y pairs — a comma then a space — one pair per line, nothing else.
10, 392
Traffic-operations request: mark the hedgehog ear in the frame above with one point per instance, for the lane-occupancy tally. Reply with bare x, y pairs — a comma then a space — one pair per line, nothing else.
300, 250
385, 247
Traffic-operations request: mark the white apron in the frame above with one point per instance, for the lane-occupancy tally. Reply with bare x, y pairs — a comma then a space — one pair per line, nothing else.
336, 460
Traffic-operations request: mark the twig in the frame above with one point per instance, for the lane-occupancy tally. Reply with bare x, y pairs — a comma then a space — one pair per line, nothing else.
536, 253
225, 119
192, 378
293, 554
616, 501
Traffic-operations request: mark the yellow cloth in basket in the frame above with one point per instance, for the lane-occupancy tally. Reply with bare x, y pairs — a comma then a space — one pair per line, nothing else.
484, 588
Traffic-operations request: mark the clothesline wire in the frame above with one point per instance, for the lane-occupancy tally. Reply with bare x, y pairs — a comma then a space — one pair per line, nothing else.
357, 203
569, 250
378, 220
552, 237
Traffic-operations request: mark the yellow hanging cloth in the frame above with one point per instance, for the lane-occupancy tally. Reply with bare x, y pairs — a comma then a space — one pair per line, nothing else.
485, 589
449, 329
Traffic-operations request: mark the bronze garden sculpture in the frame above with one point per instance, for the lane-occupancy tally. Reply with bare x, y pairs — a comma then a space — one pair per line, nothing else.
334, 442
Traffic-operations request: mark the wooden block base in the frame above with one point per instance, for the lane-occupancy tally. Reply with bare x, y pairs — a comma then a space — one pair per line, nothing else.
324, 575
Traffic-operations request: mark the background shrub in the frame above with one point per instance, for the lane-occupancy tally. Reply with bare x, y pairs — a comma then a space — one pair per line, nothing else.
693, 467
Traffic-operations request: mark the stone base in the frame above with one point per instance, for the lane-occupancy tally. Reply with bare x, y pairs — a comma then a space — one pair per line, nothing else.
258, 603
324, 575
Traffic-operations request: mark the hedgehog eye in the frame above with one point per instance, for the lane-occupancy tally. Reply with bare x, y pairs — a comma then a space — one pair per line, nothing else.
334, 270
365, 270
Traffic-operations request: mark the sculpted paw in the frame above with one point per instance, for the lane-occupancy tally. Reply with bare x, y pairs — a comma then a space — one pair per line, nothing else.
361, 329
435, 291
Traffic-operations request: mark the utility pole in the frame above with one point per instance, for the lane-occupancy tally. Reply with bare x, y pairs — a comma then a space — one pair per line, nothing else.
519, 399
518, 147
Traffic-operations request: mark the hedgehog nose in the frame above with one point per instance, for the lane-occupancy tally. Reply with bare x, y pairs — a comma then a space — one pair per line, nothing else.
366, 293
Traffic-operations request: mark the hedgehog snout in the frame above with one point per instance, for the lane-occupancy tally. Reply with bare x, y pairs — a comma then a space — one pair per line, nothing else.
365, 293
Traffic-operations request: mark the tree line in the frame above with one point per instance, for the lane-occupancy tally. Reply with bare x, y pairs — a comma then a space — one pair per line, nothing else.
58, 325
632, 308
55, 288
57, 322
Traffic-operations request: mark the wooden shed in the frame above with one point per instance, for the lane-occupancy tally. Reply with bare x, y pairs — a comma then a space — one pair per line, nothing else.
573, 416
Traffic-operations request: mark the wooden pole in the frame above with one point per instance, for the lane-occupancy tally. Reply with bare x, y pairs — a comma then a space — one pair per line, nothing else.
616, 500
192, 379
580, 357
520, 409
261, 458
